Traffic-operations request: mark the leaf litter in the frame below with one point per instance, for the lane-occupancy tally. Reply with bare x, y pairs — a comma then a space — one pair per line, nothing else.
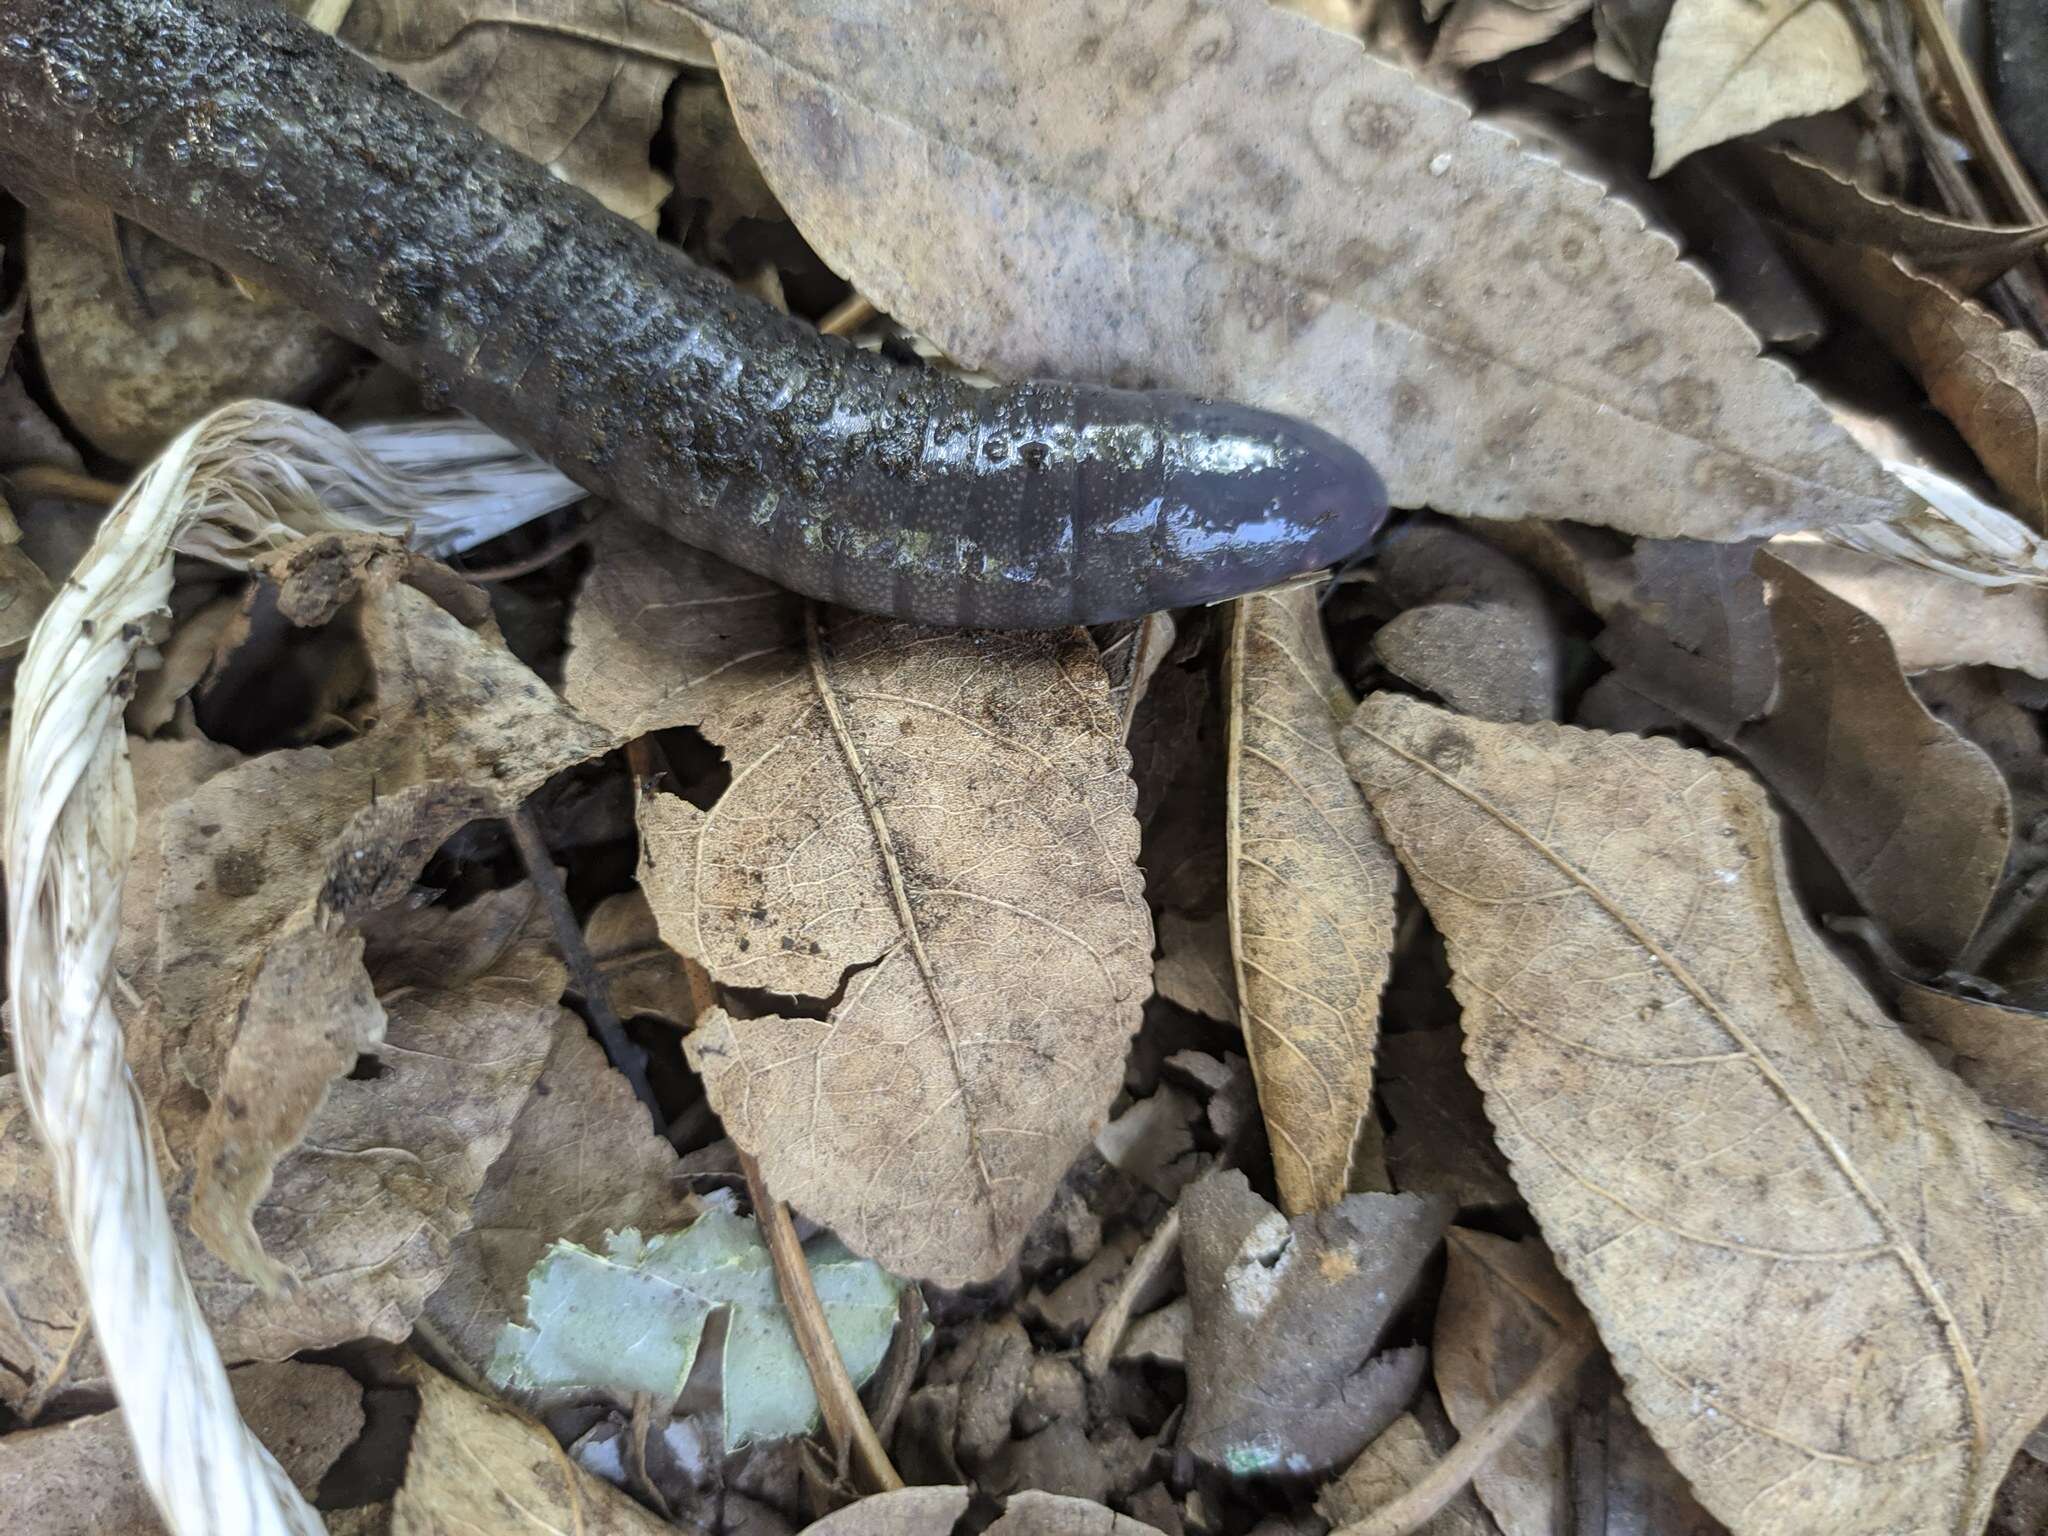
1754, 1088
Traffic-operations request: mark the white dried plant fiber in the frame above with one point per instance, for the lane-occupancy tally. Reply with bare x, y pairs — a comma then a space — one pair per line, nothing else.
248, 478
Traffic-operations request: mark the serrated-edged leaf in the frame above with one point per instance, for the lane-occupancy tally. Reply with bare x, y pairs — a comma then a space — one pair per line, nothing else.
630, 1320
1815, 1266
1311, 896
1729, 67
930, 832
1356, 251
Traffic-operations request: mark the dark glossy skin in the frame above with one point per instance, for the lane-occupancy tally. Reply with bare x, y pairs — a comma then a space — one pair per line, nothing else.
235, 131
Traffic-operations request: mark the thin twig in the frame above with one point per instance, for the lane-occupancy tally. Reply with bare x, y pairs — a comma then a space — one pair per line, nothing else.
847, 316
1099, 1348
55, 480
584, 973
526, 565
846, 1420
1442, 1482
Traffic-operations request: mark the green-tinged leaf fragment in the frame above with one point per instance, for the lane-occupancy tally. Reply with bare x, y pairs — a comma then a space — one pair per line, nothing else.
630, 1319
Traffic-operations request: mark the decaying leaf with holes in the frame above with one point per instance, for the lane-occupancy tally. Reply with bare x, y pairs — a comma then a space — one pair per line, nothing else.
1311, 896
1105, 221
929, 835
1815, 1265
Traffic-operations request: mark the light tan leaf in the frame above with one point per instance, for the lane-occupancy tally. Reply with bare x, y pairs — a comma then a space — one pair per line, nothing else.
476, 1468
1034, 1513
1988, 379
581, 1162
1481, 31
1504, 1309
1914, 815
1829, 206
366, 1209
1475, 629
1810, 1258
901, 1512
576, 84
267, 866
929, 830
1933, 620
1311, 896
1729, 67
1195, 969
1356, 251
79, 1478
1388, 1468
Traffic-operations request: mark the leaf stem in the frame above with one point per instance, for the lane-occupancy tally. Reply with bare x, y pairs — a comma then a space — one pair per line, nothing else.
1421, 1503
584, 973
846, 1420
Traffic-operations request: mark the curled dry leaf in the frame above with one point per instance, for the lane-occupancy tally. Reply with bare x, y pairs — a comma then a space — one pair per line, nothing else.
136, 350
1729, 67
24, 589
475, 1465
79, 1478
1035, 1513
549, 1186
365, 1209
1914, 815
899, 1512
931, 831
1480, 31
1311, 896
1990, 380
267, 866
1475, 629
1250, 255
1807, 1253
1504, 1309
1933, 620
1285, 1374
1829, 206
576, 84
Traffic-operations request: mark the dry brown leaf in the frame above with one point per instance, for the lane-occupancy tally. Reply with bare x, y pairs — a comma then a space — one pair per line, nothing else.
1829, 206
713, 164
1988, 379
1475, 629
1399, 1459
900, 1512
1810, 1258
576, 84
1480, 31
79, 1478
644, 976
265, 1001
1285, 1373
932, 831
2000, 1051
1311, 896
1357, 251
366, 1209
1933, 620
581, 1161
1034, 1513
128, 378
476, 1468
1504, 1309
1915, 816
1729, 67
